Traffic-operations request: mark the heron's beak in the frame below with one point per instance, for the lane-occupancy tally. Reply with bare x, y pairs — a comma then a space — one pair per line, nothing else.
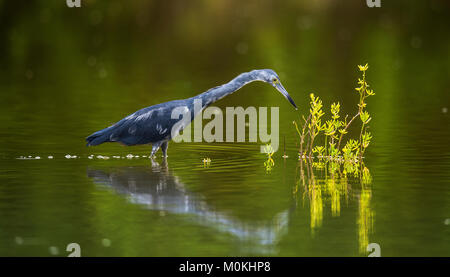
283, 91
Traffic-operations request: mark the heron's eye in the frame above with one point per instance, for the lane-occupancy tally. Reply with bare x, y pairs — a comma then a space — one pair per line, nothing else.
274, 80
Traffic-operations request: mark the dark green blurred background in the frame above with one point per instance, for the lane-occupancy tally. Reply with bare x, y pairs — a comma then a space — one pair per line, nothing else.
67, 72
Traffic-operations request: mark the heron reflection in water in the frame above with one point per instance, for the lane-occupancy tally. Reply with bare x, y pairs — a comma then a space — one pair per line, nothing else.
156, 188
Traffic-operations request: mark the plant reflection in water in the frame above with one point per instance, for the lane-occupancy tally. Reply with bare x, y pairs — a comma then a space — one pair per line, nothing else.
331, 187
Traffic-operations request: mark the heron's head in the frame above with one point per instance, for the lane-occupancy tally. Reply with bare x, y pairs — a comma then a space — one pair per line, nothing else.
271, 77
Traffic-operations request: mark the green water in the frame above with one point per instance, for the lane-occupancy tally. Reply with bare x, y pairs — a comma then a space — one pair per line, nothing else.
67, 73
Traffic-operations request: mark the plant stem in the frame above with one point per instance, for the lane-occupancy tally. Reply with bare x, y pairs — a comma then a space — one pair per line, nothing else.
302, 137
311, 146
345, 129
360, 142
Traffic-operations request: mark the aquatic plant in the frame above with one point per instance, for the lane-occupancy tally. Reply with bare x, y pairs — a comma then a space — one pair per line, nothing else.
315, 124
338, 158
206, 162
269, 163
333, 130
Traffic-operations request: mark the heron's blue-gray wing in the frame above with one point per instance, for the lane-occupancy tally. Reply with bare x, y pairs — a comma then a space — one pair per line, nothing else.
147, 125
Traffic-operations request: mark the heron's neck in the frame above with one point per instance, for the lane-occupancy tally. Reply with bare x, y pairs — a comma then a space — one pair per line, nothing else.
217, 93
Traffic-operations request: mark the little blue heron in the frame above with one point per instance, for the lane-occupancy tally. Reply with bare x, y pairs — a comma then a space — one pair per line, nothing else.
154, 124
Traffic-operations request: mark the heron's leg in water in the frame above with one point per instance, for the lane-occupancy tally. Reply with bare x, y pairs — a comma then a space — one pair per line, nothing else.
164, 147
155, 147
155, 164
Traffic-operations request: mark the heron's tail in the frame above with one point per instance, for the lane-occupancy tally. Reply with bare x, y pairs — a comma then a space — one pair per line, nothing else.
98, 137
